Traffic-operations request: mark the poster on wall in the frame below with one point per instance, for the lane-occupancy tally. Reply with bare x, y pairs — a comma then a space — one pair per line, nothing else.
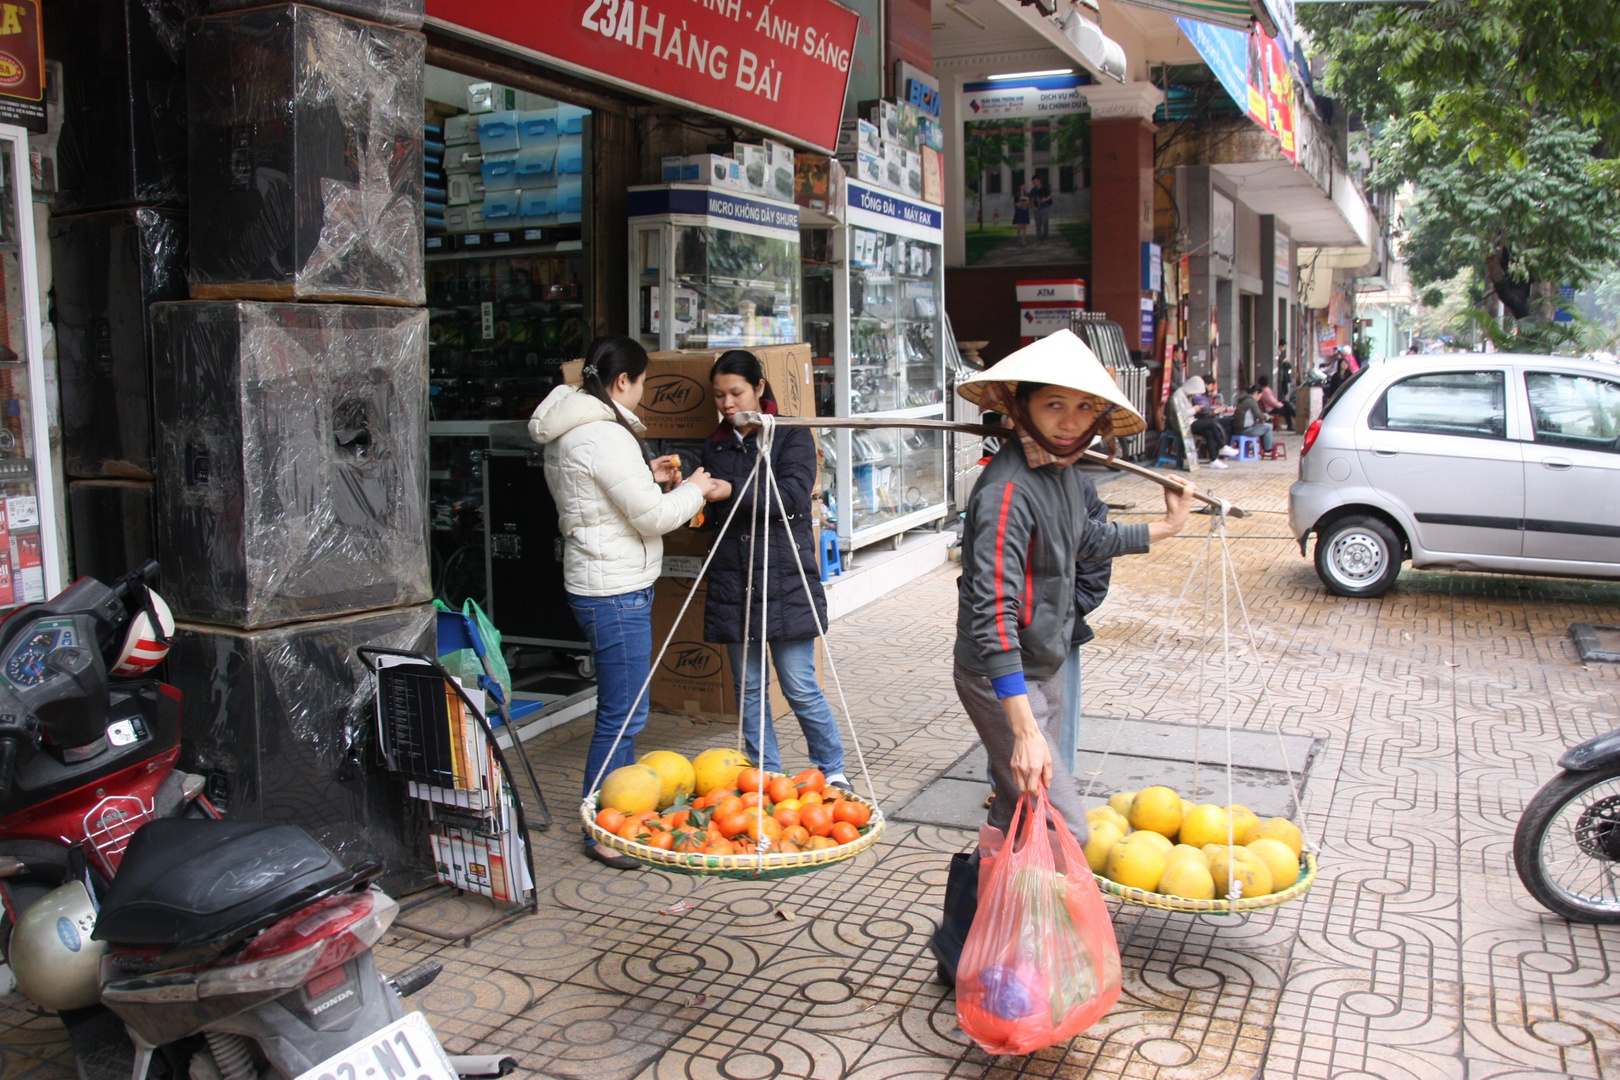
781, 71
22, 65
1026, 146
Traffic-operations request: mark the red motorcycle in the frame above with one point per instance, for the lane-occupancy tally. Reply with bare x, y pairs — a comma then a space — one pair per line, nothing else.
88, 744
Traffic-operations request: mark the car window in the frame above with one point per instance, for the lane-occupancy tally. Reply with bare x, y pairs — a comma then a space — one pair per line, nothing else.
1445, 403
1574, 410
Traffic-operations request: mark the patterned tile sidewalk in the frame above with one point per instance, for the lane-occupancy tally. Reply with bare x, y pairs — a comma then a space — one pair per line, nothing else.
1443, 706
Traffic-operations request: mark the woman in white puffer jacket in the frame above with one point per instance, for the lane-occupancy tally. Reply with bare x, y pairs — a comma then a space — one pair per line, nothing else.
613, 514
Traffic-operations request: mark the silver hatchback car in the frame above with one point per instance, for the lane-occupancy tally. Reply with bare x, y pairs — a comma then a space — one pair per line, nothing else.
1466, 461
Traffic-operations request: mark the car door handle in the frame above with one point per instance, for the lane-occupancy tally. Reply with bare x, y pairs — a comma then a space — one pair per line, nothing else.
1558, 463
1384, 451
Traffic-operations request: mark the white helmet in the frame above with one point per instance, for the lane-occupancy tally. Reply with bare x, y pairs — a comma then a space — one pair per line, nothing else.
143, 648
56, 963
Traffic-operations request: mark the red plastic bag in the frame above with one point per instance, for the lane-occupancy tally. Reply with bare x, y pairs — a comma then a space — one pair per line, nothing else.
1040, 964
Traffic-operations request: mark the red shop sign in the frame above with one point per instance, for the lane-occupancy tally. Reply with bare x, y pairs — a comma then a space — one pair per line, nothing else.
777, 65
22, 65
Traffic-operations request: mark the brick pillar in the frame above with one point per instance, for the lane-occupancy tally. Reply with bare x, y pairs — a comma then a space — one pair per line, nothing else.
1121, 197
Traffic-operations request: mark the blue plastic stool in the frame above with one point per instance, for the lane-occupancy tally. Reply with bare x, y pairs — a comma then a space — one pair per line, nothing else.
832, 563
1169, 449
1247, 446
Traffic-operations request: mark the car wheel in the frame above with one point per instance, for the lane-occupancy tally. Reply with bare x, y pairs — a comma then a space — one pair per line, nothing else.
1358, 556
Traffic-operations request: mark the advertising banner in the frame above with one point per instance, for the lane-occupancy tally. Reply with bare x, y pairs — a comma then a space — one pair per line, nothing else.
22, 65
1253, 69
781, 68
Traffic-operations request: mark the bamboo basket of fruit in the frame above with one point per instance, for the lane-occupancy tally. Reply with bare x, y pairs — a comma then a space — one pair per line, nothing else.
1154, 848
718, 816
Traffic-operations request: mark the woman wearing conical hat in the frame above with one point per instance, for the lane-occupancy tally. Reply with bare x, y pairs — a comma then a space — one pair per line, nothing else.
1026, 528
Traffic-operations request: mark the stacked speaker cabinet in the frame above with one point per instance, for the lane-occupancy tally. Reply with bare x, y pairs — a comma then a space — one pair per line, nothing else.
291, 403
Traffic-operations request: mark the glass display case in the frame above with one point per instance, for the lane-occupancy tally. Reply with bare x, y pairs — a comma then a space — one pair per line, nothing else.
31, 556
874, 293
712, 269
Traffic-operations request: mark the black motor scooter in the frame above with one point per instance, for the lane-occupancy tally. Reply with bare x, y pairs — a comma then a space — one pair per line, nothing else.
1567, 846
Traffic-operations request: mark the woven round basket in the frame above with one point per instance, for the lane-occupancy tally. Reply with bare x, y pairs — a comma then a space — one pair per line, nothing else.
1307, 878
752, 867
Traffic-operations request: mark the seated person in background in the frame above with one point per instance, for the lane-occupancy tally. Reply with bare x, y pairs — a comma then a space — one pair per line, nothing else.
1248, 418
1210, 431
1270, 402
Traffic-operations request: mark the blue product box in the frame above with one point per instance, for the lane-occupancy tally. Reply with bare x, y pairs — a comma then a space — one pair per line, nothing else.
502, 208
536, 166
537, 127
571, 154
500, 171
570, 201
571, 119
498, 131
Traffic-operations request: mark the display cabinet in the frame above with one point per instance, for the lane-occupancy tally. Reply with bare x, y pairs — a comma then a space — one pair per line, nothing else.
31, 562
874, 293
712, 269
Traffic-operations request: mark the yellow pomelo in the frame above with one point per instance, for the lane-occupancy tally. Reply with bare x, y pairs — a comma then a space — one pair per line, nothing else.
1187, 806
1148, 836
1109, 814
1189, 878
1243, 866
1210, 849
1121, 802
1205, 825
1243, 820
1279, 859
1136, 865
1158, 809
1280, 829
675, 771
632, 789
1104, 835
718, 768
1187, 851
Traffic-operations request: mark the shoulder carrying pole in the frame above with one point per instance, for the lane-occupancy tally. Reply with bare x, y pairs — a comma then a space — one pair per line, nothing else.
745, 419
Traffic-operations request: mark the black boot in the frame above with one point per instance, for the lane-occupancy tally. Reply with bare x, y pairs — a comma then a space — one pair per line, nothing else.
961, 903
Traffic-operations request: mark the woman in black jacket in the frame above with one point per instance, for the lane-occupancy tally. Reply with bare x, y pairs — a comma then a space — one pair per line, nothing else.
791, 621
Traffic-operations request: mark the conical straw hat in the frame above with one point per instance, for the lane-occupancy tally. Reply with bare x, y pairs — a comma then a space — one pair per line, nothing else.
1061, 359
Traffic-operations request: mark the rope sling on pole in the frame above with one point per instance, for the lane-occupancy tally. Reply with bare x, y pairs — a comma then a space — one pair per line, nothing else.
764, 863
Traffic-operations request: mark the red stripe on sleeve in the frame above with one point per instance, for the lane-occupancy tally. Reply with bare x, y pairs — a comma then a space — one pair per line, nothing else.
1001, 545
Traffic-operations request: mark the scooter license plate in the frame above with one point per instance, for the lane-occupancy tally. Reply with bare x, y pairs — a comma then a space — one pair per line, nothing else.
407, 1049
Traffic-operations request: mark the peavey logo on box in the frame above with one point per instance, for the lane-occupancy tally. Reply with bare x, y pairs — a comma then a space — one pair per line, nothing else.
692, 660
672, 395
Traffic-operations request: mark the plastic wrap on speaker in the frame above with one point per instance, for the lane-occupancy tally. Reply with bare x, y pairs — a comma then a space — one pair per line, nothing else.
291, 459
406, 13
123, 135
282, 724
108, 269
306, 157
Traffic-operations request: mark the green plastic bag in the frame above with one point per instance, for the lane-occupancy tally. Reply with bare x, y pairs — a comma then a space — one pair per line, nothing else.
464, 663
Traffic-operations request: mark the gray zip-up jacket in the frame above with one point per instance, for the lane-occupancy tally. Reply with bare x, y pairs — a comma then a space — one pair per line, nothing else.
1025, 530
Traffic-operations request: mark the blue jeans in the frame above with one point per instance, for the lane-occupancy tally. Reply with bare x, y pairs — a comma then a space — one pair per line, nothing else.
1069, 725
619, 629
795, 663
1262, 432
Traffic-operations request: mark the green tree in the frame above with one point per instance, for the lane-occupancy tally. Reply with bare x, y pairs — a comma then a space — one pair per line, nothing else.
987, 145
1505, 116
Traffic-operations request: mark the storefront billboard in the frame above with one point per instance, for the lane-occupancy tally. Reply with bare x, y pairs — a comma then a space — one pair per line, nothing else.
781, 68
1253, 69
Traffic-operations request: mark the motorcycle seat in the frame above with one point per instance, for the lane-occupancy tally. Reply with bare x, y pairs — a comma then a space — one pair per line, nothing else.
187, 881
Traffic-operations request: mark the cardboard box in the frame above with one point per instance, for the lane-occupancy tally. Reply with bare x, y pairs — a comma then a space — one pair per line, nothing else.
930, 133
867, 168
753, 167
911, 172
856, 135
694, 676
781, 164
933, 172
715, 170
893, 171
885, 114
677, 403
819, 184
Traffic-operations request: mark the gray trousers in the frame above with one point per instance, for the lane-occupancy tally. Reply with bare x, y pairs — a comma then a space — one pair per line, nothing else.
1046, 702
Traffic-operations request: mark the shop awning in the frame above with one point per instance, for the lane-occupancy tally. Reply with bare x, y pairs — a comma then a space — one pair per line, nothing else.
1236, 14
